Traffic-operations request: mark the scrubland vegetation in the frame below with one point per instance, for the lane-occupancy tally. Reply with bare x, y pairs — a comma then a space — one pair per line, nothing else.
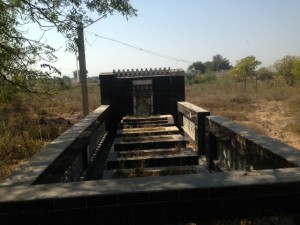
28, 122
273, 108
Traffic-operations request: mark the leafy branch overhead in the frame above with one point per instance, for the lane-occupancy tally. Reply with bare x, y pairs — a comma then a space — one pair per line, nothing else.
22, 56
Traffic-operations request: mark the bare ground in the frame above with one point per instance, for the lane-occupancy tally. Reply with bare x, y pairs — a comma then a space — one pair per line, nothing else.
272, 119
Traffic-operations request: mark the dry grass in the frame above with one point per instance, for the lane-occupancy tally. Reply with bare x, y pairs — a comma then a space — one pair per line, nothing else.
273, 108
30, 122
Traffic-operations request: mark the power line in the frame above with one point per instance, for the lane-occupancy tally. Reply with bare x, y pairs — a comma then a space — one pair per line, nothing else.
94, 21
141, 49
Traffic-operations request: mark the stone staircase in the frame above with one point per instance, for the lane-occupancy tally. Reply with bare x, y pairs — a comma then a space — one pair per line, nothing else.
150, 146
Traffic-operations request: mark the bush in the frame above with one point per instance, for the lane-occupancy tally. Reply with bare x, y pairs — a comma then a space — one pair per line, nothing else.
264, 74
241, 99
200, 78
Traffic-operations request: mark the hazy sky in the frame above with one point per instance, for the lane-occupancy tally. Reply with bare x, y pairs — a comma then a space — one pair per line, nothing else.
191, 30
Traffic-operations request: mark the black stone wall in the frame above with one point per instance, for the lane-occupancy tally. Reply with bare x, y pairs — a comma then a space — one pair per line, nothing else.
158, 207
168, 89
236, 147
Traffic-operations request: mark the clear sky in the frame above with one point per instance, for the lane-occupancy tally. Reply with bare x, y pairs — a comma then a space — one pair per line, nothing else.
191, 30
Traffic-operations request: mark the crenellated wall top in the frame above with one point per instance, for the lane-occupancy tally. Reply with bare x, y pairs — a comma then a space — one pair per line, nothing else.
145, 72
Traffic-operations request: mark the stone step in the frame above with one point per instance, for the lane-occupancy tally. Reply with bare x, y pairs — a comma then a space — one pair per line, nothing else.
153, 171
148, 118
151, 121
144, 124
149, 142
160, 130
149, 152
152, 158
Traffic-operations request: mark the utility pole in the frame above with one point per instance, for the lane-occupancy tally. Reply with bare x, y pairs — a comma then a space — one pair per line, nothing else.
82, 70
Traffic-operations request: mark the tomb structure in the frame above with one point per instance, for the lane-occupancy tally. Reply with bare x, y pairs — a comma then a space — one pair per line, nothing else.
146, 156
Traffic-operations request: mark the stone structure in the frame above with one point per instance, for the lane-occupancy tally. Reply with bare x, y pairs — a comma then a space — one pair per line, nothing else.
142, 92
192, 121
252, 175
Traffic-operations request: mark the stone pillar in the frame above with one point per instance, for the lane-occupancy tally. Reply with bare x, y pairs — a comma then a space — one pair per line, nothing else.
107, 88
200, 141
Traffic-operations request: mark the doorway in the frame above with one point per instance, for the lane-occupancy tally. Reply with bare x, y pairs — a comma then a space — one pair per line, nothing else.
142, 97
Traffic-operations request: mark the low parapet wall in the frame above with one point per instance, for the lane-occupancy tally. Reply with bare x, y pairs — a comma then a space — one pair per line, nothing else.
155, 200
67, 156
239, 148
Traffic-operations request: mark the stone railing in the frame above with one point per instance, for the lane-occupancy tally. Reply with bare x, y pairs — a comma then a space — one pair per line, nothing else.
68, 157
192, 121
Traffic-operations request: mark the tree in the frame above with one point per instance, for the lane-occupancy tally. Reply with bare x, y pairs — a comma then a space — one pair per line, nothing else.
205, 77
264, 74
209, 66
200, 72
219, 63
296, 68
20, 56
17, 54
289, 68
244, 68
196, 68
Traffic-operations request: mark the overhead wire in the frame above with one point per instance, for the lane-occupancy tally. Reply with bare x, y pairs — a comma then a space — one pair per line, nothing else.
140, 49
101, 17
